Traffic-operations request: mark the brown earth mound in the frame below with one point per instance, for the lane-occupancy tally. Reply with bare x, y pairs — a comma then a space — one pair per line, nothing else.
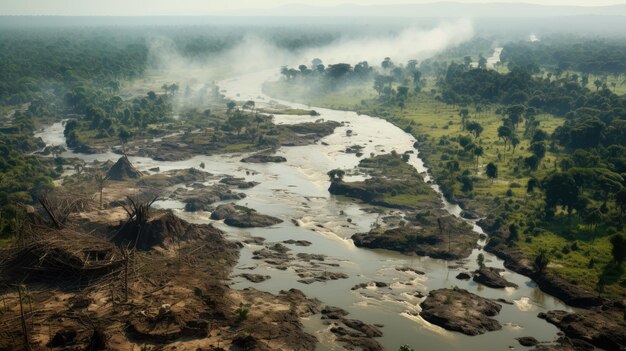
163, 229
123, 170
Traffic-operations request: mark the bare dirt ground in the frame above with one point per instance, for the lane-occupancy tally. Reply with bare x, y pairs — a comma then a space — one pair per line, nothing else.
172, 296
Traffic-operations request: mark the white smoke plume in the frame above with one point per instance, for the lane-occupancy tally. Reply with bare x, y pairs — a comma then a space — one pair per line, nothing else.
409, 44
255, 53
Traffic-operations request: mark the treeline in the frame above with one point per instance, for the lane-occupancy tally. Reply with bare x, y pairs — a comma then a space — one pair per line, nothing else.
588, 177
593, 56
392, 82
22, 176
37, 65
107, 115
594, 117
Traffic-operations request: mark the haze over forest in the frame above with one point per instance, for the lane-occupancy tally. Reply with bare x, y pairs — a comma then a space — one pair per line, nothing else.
271, 175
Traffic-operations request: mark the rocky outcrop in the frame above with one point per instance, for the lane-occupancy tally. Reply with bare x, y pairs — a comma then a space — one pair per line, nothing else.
469, 214
369, 330
423, 241
254, 278
491, 277
332, 312
317, 129
251, 220
355, 334
263, 158
460, 310
463, 276
240, 183
409, 269
298, 242
187, 176
201, 199
604, 327
527, 341
309, 276
368, 284
242, 217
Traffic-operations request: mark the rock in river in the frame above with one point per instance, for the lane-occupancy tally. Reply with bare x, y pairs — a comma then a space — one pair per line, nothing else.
459, 310
242, 217
491, 277
463, 276
604, 327
261, 158
527, 341
255, 278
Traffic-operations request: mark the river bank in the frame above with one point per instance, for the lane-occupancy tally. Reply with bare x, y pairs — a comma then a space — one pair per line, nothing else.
296, 191
514, 258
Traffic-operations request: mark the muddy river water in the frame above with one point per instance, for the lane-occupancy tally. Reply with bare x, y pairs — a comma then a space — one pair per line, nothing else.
297, 190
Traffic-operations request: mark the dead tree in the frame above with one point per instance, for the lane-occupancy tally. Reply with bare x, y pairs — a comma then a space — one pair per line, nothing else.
138, 214
126, 256
100, 179
23, 319
59, 209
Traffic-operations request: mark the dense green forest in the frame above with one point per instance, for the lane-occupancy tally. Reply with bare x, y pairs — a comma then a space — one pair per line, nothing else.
539, 146
561, 55
50, 74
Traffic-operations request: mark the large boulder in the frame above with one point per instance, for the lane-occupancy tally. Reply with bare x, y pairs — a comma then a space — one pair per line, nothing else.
459, 310
242, 217
262, 158
491, 277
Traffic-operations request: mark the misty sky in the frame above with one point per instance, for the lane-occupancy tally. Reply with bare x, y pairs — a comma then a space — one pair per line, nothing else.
204, 7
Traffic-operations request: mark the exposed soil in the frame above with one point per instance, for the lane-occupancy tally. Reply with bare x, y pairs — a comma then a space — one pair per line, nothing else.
168, 292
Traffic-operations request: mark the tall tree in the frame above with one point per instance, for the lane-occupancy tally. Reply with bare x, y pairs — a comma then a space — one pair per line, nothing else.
463, 113
474, 128
492, 171
618, 249
505, 133
478, 152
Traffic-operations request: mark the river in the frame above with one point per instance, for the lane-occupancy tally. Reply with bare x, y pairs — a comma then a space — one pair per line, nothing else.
298, 190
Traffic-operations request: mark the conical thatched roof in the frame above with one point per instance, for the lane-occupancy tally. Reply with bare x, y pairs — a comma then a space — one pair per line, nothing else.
123, 170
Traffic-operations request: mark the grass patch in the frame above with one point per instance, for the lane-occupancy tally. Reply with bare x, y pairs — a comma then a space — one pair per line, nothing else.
238, 147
